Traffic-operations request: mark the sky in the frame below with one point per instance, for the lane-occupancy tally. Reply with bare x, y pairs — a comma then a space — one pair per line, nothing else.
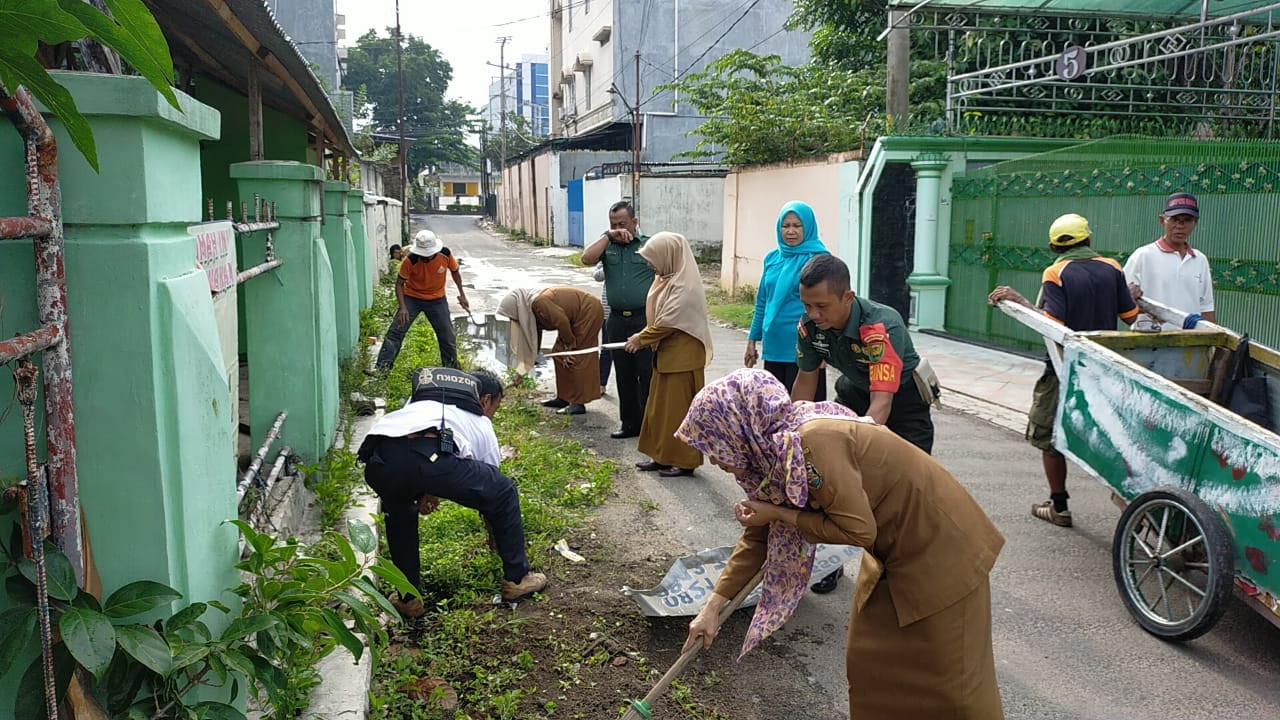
465, 33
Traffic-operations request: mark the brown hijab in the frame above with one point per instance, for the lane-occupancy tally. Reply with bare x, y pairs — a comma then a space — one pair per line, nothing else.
676, 298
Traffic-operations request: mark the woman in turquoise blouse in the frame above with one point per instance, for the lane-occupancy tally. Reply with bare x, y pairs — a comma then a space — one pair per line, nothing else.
778, 306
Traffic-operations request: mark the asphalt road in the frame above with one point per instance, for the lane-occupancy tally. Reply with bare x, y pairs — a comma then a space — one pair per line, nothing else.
1065, 646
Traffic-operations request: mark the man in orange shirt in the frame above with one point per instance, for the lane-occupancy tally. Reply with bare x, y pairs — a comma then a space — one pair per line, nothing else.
420, 289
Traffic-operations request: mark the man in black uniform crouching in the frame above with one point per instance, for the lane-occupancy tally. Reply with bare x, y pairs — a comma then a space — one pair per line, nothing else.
442, 445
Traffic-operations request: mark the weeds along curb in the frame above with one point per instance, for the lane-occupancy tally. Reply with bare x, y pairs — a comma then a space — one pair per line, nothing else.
343, 692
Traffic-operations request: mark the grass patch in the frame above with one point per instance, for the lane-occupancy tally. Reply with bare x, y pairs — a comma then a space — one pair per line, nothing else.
574, 259
735, 308
336, 478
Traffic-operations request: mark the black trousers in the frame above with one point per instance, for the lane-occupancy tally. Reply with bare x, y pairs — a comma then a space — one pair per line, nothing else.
437, 312
606, 356
786, 372
909, 416
631, 373
401, 471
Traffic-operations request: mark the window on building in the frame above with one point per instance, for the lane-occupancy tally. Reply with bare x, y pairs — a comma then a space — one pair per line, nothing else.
568, 10
586, 6
586, 88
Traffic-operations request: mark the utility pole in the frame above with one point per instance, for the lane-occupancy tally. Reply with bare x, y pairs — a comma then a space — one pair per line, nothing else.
897, 99
635, 142
484, 171
404, 165
502, 96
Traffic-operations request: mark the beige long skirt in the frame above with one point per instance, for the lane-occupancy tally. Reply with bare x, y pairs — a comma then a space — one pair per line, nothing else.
938, 668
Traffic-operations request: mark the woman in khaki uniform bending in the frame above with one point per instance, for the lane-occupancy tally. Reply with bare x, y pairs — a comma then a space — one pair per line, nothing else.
920, 645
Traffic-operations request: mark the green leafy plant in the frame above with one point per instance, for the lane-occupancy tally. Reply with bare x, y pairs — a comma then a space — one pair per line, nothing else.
297, 606
129, 29
334, 481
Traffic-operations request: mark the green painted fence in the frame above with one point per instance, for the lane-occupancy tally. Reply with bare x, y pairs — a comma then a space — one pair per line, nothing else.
1001, 215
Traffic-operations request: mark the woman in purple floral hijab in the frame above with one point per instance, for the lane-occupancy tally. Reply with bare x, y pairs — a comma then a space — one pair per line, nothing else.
919, 638
748, 425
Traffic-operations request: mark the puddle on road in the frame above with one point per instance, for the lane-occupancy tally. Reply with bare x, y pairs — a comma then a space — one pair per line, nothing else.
490, 343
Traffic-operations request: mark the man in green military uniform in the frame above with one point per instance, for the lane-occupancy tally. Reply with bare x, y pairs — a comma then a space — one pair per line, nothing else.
868, 343
627, 278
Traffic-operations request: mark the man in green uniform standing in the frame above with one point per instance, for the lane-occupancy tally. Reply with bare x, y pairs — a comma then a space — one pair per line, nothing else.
868, 343
627, 278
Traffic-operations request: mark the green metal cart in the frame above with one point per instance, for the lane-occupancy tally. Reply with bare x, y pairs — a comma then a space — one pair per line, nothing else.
1200, 484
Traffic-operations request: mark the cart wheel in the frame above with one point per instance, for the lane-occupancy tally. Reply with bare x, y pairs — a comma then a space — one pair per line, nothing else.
1174, 563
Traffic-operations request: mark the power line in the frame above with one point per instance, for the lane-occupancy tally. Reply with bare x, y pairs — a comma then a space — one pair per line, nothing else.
618, 72
717, 40
568, 7
644, 22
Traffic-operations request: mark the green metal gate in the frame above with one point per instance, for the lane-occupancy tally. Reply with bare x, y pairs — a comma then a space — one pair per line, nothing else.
1001, 215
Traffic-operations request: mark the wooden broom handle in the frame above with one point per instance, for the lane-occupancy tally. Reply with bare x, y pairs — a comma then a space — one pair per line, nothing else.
687, 656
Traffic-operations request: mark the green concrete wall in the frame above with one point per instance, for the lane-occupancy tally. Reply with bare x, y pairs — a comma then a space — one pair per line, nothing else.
290, 331
359, 240
154, 439
283, 138
342, 256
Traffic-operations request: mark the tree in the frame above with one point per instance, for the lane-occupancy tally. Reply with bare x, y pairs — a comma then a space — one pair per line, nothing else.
130, 30
519, 135
760, 111
438, 126
844, 31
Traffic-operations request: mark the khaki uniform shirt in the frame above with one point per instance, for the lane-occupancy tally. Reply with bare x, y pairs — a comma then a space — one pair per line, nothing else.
870, 488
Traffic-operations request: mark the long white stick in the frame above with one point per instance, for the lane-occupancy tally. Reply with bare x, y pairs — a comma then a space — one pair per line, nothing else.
584, 351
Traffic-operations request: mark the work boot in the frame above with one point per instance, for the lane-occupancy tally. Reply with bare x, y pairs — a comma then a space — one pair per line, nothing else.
410, 609
1045, 512
533, 582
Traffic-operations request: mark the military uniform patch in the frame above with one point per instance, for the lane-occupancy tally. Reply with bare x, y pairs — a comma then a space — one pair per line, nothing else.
873, 347
815, 477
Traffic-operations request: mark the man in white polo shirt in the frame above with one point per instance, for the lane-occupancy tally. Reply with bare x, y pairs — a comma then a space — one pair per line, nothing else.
1169, 270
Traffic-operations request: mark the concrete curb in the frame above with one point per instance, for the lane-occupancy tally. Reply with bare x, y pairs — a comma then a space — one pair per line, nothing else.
343, 692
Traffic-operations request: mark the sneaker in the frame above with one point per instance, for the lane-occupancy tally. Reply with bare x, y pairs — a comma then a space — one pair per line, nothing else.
532, 583
1045, 512
411, 609
555, 403
828, 583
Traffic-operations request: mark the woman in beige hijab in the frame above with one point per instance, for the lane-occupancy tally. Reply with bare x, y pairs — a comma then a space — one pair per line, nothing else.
676, 310
576, 316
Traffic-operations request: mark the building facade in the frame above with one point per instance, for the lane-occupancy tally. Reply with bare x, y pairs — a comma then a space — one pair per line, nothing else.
527, 95
599, 46
316, 30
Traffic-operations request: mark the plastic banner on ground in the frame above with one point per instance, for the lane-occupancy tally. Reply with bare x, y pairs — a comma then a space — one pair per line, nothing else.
689, 582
